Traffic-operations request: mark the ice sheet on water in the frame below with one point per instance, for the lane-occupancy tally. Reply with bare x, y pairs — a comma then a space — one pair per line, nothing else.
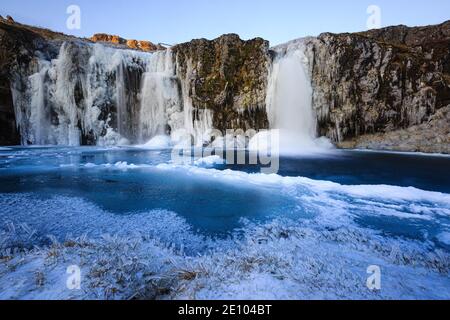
322, 258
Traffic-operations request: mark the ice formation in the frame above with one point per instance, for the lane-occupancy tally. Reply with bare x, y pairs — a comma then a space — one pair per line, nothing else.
96, 95
280, 259
91, 94
289, 102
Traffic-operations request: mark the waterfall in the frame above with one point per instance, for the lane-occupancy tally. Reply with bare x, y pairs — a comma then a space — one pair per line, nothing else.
289, 101
91, 94
39, 112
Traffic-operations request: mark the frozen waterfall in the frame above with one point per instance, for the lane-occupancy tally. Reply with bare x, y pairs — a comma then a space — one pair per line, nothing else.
90, 94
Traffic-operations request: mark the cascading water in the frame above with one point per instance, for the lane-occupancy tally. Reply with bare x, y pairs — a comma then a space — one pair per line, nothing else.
39, 113
289, 101
90, 94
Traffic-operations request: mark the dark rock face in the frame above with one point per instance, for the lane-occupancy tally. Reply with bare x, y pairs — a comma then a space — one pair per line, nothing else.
379, 81
229, 76
8, 129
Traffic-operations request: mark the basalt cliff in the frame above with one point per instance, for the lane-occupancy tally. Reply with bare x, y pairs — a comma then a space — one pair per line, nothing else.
381, 89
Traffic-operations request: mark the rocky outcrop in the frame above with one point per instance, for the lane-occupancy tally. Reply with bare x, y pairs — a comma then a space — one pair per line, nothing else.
228, 76
380, 81
146, 46
432, 136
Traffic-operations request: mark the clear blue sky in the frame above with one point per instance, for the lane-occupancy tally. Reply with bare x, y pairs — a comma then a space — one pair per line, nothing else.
175, 21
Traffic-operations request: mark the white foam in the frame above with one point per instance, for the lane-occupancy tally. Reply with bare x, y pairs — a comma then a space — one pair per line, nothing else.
156, 143
209, 161
90, 165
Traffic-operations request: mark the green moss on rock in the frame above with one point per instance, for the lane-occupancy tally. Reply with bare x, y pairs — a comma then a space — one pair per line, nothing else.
229, 76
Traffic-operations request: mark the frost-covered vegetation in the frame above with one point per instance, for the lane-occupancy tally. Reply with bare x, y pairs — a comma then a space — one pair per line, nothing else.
158, 256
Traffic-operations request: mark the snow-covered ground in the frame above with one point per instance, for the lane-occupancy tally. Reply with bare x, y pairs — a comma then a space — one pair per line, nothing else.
158, 256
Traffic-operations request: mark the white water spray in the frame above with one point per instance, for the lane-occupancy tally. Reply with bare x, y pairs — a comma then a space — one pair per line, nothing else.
160, 101
289, 102
105, 96
108, 96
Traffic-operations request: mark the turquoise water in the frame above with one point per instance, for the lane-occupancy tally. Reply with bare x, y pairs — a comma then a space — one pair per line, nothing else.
128, 181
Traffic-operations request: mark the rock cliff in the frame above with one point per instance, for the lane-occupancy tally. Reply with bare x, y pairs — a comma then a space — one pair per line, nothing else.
380, 89
228, 76
381, 81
